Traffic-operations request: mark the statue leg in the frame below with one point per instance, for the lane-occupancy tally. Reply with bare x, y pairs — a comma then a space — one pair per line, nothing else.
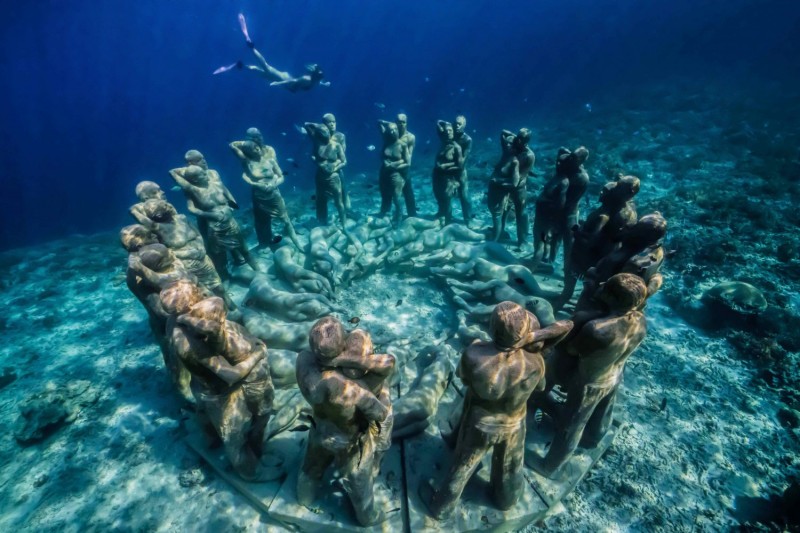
263, 224
385, 186
316, 462
358, 479
506, 477
598, 424
463, 196
471, 447
229, 416
408, 195
518, 197
581, 403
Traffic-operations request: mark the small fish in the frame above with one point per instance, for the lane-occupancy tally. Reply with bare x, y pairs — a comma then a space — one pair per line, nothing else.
663, 405
283, 133
290, 159
371, 148
427, 79
354, 320
588, 107
488, 139
538, 415
300, 129
428, 141
399, 303
461, 90
380, 105
175, 188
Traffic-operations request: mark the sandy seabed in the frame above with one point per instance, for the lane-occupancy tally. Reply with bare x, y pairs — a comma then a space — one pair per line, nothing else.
699, 436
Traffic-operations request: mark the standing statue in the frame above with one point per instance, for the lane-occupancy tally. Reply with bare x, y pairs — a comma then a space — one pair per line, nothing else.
557, 206
175, 232
330, 159
600, 233
262, 173
447, 171
206, 199
508, 184
345, 383
410, 140
395, 159
601, 347
465, 142
230, 377
339, 138
499, 376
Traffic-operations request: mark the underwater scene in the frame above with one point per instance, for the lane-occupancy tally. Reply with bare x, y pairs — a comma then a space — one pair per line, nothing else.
296, 265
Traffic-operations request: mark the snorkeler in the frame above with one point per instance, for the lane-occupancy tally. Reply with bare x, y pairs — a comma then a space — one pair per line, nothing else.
307, 81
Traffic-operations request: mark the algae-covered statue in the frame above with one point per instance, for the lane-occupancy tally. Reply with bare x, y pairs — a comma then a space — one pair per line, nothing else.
499, 376
447, 171
557, 205
410, 140
262, 172
175, 232
508, 185
339, 138
600, 348
230, 376
465, 142
600, 233
395, 158
345, 383
206, 199
330, 159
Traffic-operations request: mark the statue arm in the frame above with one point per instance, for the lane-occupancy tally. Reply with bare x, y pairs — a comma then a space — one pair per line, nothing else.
232, 203
232, 373
154, 278
193, 209
177, 175
138, 213
342, 158
237, 150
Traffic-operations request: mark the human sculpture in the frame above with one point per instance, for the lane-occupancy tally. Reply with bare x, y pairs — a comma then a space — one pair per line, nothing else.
487, 271
345, 383
557, 205
410, 140
464, 141
230, 378
447, 171
640, 251
313, 77
600, 349
299, 278
339, 138
493, 292
508, 185
296, 307
432, 240
599, 234
264, 176
329, 157
499, 377
415, 410
175, 232
395, 158
206, 199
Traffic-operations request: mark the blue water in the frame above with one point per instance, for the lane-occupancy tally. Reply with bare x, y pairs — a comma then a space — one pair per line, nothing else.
99, 95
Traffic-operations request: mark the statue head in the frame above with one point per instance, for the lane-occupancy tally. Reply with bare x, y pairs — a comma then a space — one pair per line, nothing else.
621, 191
254, 135
402, 123
359, 342
145, 190
159, 210
326, 338
320, 132
330, 122
135, 236
510, 325
521, 140
648, 231
156, 257
180, 296
460, 124
196, 175
251, 150
622, 292
206, 317
194, 157
391, 132
445, 130
581, 154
